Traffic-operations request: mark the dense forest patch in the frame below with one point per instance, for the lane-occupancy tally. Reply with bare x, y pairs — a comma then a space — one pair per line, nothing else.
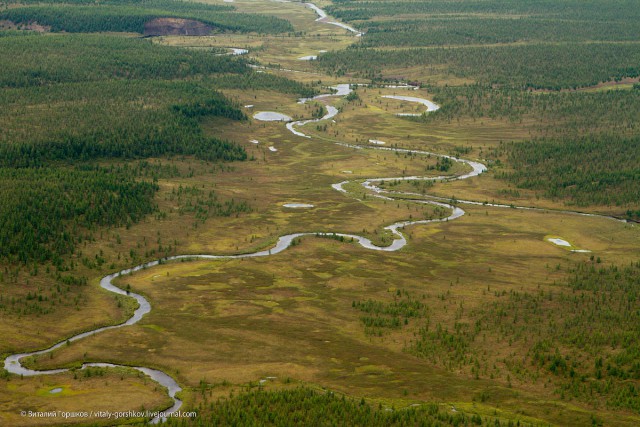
536, 66
83, 121
438, 30
555, 113
514, 43
40, 60
45, 211
130, 16
305, 406
441, 22
615, 10
602, 170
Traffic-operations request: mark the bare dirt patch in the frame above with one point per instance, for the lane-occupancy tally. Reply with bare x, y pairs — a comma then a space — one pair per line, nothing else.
176, 27
32, 26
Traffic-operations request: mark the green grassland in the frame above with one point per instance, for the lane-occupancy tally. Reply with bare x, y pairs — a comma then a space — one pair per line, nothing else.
116, 150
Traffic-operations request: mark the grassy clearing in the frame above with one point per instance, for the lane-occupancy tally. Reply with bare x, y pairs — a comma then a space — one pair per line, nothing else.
280, 51
128, 391
374, 117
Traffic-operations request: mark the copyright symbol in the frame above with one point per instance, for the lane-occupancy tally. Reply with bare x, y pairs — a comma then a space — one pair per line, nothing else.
23, 413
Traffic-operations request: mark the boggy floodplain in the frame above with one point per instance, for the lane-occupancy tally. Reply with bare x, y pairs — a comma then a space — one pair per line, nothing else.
118, 149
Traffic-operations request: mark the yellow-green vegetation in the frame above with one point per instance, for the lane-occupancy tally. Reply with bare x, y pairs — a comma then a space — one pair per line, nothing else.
293, 315
54, 399
137, 147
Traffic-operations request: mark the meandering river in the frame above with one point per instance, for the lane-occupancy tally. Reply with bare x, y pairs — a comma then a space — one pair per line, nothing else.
13, 362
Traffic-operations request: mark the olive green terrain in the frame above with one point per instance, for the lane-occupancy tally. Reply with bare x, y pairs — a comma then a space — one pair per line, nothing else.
117, 149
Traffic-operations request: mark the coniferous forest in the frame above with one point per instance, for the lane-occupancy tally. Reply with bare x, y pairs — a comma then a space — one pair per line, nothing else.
455, 245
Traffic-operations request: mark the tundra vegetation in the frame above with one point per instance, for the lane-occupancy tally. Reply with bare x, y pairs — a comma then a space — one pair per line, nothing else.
118, 148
